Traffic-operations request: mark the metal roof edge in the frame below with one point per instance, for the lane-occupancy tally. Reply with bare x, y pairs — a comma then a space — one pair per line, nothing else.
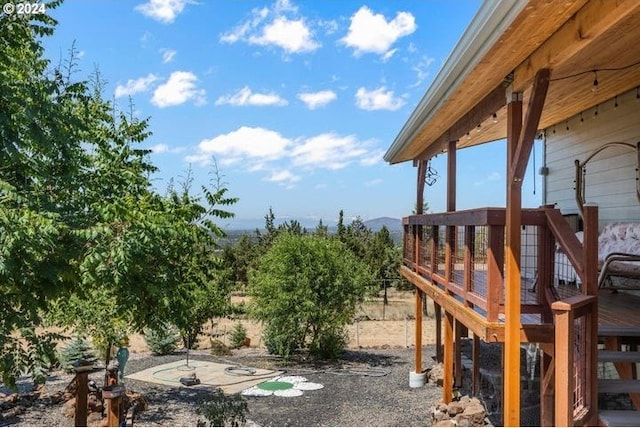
486, 27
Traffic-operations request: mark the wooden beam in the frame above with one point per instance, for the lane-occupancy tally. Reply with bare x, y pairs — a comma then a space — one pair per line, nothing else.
577, 34
482, 111
530, 129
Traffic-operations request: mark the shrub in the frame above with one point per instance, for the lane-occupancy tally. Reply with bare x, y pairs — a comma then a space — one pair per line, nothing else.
238, 335
222, 410
218, 348
78, 349
305, 292
162, 341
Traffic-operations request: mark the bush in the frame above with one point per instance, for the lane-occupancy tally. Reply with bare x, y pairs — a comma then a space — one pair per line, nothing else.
77, 350
306, 291
222, 410
162, 341
218, 348
330, 343
238, 335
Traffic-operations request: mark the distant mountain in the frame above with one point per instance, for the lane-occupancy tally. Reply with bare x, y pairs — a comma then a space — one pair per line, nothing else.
393, 224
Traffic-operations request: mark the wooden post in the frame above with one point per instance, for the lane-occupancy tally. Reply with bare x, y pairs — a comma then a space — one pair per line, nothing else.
495, 271
511, 388
545, 270
112, 396
520, 138
475, 356
437, 309
447, 375
82, 391
457, 364
422, 172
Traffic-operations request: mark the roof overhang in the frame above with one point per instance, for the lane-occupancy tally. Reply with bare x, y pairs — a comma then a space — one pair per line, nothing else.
503, 47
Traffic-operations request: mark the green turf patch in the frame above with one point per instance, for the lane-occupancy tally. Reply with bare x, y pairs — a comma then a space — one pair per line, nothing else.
275, 386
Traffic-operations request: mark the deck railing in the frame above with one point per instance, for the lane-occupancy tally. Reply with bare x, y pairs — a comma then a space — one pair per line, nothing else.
462, 252
576, 400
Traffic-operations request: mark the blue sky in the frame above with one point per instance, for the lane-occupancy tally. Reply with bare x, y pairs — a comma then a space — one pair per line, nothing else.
296, 100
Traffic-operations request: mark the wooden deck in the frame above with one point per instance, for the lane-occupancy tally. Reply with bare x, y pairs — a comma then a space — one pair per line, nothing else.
621, 309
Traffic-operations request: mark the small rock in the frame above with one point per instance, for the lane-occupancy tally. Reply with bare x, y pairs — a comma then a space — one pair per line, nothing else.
438, 416
475, 413
69, 409
455, 408
463, 421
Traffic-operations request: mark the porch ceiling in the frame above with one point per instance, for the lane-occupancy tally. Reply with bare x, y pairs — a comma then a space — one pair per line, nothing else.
572, 38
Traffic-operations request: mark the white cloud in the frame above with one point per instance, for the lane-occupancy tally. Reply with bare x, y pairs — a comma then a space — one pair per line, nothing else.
168, 55
164, 148
388, 54
328, 151
134, 86
245, 97
372, 158
159, 148
292, 36
180, 88
378, 99
372, 33
283, 177
272, 27
422, 70
164, 11
279, 158
314, 100
253, 144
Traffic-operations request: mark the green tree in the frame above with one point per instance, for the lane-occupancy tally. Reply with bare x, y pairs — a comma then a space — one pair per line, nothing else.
83, 237
241, 257
383, 257
322, 229
43, 121
305, 291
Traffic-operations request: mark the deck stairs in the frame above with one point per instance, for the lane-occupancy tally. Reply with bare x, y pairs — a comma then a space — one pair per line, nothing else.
627, 383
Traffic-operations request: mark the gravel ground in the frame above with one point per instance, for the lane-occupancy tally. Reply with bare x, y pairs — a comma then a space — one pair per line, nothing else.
352, 395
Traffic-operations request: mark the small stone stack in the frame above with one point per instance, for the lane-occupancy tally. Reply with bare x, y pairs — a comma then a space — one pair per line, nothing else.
464, 412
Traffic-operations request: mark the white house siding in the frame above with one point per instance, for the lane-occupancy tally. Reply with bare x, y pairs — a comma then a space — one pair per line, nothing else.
611, 176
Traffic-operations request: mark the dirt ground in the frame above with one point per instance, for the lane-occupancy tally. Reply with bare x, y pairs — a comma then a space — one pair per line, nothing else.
377, 326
